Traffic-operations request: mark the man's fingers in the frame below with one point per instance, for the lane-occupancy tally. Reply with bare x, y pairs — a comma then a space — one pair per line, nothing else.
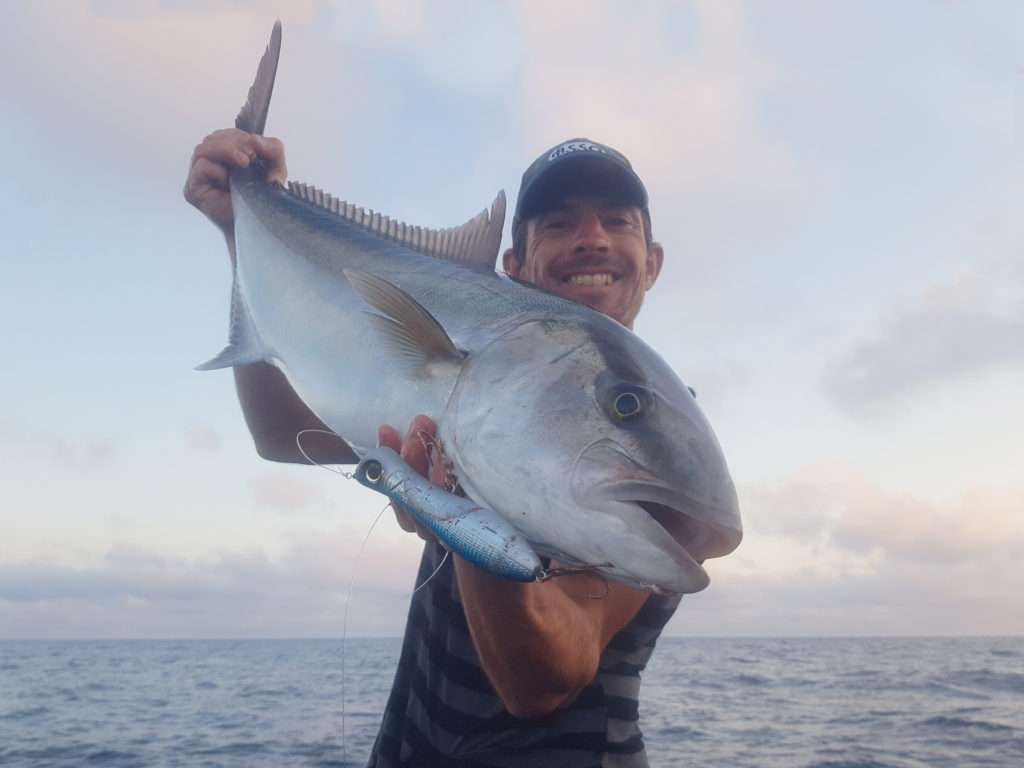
405, 522
233, 148
416, 444
206, 173
271, 151
388, 437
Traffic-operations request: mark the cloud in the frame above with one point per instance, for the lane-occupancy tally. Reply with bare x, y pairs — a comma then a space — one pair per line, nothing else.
203, 441
828, 552
287, 490
679, 91
843, 513
440, 36
133, 592
969, 322
145, 79
55, 449
895, 598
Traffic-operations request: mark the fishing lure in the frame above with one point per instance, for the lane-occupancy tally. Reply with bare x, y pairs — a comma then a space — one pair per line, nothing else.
478, 534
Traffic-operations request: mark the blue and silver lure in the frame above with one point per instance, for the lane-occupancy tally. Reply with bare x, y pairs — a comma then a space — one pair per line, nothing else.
478, 534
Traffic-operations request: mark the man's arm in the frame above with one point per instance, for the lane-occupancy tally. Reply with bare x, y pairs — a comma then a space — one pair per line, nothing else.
275, 415
273, 411
538, 643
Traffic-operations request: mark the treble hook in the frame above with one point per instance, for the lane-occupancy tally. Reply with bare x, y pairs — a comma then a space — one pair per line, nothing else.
432, 444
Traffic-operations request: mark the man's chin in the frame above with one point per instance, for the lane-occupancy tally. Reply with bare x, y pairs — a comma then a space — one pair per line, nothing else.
605, 303
602, 298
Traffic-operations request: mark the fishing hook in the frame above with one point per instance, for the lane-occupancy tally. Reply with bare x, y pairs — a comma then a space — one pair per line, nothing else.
433, 447
590, 570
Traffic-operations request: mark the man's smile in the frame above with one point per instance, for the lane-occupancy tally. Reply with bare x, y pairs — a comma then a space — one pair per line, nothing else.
598, 279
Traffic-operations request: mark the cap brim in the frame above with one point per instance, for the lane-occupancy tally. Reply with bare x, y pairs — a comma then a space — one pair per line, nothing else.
585, 176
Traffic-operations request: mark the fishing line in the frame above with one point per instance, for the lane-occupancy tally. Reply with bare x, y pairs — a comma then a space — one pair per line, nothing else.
436, 571
344, 619
352, 574
314, 462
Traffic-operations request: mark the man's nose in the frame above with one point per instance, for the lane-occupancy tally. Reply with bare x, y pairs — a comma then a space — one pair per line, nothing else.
591, 235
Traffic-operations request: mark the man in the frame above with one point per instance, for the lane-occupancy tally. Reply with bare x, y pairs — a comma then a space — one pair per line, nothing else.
492, 672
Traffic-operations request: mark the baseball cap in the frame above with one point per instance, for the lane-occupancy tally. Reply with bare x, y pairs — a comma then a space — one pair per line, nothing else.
574, 165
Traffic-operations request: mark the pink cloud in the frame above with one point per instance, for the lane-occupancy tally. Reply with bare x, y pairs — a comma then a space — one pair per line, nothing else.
202, 440
287, 490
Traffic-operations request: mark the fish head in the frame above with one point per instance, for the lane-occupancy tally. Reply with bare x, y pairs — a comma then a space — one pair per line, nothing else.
585, 438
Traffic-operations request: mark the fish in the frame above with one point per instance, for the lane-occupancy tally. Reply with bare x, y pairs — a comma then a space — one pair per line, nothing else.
478, 534
552, 415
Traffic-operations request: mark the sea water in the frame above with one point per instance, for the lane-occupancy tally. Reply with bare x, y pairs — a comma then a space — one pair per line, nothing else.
827, 703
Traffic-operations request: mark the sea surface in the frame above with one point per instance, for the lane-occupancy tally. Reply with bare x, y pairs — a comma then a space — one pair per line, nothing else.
827, 703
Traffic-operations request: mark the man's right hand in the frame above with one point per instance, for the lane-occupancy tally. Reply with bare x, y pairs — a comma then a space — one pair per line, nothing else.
207, 184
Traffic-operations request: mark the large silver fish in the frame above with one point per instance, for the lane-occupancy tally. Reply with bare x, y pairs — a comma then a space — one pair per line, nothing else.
552, 414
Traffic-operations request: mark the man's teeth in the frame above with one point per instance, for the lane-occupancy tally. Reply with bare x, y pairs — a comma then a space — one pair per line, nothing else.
602, 278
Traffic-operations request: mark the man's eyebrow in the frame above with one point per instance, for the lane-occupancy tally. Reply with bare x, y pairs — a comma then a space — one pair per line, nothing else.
561, 206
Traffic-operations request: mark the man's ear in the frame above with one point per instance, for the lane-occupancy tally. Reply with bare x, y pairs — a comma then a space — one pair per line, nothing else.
511, 264
655, 258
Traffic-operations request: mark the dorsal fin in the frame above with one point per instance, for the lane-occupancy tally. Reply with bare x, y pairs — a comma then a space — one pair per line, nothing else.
253, 117
474, 244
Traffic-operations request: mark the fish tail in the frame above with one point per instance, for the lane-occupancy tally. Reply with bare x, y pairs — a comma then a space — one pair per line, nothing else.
244, 345
253, 116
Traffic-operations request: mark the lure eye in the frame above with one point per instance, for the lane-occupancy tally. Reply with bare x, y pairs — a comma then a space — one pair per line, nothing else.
627, 405
373, 471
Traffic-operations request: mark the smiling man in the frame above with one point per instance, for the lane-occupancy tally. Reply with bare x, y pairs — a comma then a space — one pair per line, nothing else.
493, 672
582, 230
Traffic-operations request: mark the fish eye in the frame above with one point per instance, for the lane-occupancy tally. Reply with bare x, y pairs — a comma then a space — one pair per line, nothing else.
627, 405
373, 471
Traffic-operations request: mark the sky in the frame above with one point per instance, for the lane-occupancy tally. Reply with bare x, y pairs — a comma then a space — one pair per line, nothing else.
834, 185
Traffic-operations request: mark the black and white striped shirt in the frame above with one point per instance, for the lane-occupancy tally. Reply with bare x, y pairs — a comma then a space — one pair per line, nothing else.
443, 712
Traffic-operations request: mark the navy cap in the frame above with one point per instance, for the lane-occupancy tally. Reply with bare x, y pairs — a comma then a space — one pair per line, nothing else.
573, 166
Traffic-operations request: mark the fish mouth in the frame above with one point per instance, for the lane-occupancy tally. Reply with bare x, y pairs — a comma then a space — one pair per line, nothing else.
700, 540
687, 521
704, 526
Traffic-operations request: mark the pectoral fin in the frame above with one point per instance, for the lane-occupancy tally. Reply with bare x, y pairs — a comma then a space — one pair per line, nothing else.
409, 329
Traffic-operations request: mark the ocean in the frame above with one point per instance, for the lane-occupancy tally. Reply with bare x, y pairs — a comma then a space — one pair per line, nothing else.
773, 703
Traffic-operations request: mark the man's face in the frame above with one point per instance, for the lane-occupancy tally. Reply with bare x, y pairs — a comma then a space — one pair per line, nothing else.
591, 252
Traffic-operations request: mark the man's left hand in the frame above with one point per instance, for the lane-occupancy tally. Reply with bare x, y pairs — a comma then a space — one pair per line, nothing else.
418, 450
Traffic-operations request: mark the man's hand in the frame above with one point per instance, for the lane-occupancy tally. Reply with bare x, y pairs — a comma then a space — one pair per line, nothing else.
416, 450
207, 184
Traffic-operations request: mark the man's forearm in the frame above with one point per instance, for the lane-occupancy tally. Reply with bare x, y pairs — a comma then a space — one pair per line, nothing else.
275, 415
541, 643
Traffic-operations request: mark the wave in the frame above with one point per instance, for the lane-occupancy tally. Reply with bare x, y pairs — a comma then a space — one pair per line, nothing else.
944, 721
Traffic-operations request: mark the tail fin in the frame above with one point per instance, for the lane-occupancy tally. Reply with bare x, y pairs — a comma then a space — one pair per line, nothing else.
253, 117
244, 345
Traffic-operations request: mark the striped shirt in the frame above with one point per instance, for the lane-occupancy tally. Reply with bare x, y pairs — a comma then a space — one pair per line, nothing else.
443, 712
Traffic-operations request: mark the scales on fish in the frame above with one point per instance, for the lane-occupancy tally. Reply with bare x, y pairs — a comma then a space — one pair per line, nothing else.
558, 422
